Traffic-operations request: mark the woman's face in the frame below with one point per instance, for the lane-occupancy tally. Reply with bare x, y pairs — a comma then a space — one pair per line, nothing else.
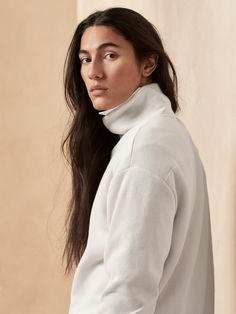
108, 62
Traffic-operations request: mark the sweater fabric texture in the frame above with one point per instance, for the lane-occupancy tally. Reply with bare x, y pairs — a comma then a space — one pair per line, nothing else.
149, 248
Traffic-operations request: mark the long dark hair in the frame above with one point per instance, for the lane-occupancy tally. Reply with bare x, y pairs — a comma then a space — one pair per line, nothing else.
88, 143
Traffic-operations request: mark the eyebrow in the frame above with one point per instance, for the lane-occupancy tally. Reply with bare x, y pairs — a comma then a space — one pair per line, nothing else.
102, 46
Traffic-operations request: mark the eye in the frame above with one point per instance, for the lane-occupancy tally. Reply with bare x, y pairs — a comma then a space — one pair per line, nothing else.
85, 60
111, 56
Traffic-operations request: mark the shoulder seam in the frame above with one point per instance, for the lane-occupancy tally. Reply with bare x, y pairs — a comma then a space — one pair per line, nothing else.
164, 180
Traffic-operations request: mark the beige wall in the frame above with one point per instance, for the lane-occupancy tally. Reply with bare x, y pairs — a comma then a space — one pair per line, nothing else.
200, 39
34, 183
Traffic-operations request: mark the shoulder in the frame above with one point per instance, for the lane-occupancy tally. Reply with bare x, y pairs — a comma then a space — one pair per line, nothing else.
161, 144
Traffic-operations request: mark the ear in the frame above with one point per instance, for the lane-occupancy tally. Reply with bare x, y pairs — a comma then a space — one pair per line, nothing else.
149, 65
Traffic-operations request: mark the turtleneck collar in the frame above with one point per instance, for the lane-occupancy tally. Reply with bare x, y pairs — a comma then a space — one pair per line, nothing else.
140, 106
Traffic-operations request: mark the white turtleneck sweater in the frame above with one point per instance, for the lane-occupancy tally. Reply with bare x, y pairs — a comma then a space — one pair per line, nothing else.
149, 248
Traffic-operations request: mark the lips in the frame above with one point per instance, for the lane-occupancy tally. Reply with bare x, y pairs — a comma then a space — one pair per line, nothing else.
97, 87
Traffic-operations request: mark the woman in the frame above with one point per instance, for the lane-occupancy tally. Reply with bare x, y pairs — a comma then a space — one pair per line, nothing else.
138, 224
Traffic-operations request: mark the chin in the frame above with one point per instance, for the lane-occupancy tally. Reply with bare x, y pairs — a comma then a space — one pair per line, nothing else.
101, 106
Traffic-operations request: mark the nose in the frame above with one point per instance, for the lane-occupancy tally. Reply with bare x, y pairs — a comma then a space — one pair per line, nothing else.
95, 70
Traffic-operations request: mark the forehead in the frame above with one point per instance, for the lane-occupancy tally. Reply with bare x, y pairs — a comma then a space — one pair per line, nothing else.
94, 36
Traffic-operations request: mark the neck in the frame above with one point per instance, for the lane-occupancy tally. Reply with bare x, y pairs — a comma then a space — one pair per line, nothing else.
140, 106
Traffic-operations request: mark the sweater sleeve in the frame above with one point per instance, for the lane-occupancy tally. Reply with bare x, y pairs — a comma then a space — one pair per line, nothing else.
140, 214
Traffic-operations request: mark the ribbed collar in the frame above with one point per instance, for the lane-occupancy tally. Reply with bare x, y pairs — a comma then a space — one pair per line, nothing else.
140, 106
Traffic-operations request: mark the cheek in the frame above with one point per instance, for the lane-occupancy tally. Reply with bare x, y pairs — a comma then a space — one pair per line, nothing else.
126, 72
82, 74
